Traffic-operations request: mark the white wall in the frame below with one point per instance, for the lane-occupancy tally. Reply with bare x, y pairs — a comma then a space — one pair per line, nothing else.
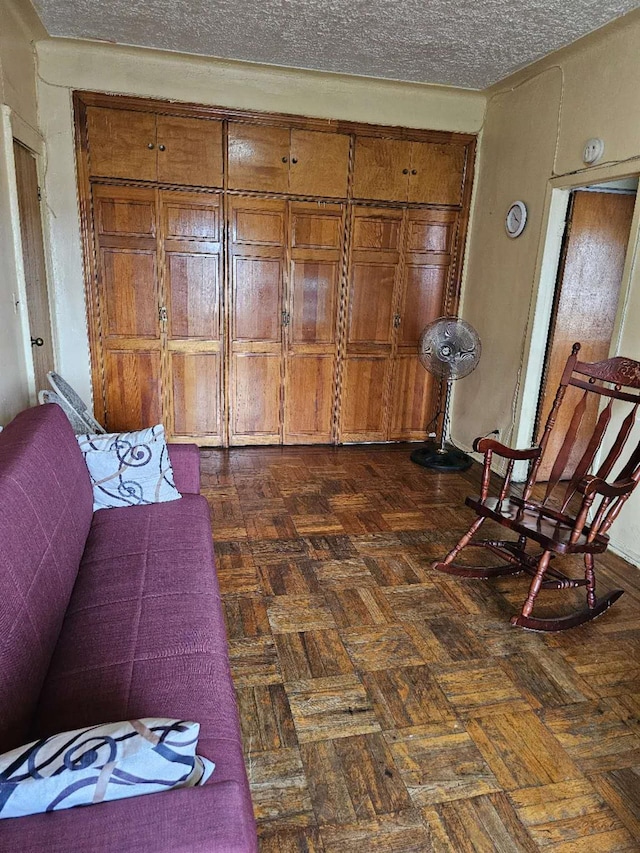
66, 65
536, 126
18, 118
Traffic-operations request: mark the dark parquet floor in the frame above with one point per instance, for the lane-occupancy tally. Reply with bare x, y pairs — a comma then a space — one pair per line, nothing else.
387, 707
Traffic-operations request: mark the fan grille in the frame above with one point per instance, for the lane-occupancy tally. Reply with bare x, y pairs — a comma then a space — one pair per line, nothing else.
449, 348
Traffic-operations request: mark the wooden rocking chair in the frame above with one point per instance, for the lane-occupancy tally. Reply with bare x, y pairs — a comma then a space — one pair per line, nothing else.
553, 527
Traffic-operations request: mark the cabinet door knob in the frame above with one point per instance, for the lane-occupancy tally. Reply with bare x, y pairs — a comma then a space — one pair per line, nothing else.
294, 159
151, 146
161, 148
284, 159
414, 171
37, 342
405, 171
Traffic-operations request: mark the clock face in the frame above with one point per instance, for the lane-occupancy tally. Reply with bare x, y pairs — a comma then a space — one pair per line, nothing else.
516, 219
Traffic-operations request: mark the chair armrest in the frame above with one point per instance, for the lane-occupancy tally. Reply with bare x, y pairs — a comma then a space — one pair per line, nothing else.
481, 445
185, 461
596, 485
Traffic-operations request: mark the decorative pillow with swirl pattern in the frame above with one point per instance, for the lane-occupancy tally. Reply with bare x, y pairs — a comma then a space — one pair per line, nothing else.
100, 763
129, 468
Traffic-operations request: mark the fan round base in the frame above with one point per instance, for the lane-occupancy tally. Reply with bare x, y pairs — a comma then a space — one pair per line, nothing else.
430, 456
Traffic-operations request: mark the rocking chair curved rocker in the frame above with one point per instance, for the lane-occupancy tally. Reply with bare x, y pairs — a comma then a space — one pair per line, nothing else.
549, 523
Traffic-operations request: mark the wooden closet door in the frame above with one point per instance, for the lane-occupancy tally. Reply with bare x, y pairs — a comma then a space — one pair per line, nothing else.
191, 236
316, 246
257, 240
429, 244
381, 168
189, 151
319, 163
121, 143
258, 157
374, 266
437, 172
127, 265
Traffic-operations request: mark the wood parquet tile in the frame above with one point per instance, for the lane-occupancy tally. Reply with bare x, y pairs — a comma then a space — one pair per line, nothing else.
385, 707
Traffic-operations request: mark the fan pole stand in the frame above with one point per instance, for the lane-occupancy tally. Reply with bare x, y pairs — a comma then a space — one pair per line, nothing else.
442, 457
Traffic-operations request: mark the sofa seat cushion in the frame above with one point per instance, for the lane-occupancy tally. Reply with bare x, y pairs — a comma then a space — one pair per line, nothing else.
144, 634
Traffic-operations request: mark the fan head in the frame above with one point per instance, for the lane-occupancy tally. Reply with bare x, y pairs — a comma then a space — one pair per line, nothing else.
449, 348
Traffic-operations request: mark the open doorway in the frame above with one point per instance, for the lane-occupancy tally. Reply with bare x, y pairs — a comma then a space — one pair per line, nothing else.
587, 292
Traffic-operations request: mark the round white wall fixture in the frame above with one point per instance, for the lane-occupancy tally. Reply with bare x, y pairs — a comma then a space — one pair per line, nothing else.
516, 219
593, 150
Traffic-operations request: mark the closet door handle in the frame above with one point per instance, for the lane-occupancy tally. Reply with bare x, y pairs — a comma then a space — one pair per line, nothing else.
294, 159
285, 318
414, 171
405, 171
396, 320
285, 159
151, 146
161, 148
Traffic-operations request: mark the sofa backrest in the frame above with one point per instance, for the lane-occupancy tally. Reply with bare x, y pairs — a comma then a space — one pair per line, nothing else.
45, 515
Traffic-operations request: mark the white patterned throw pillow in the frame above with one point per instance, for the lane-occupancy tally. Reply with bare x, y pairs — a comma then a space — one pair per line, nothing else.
129, 468
100, 763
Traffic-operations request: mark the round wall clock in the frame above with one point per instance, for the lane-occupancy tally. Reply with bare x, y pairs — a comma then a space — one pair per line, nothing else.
516, 219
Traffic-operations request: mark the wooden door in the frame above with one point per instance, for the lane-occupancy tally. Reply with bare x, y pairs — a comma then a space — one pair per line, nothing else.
33, 260
437, 172
257, 240
125, 224
258, 157
122, 143
319, 163
316, 245
374, 268
189, 151
586, 302
429, 245
192, 260
381, 168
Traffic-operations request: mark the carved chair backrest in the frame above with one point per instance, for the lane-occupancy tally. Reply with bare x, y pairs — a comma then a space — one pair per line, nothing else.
617, 379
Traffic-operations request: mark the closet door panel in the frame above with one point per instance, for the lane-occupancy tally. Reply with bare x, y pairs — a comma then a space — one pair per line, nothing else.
437, 172
381, 168
412, 399
119, 141
255, 404
315, 285
258, 157
309, 399
257, 249
130, 293
133, 389
319, 163
364, 399
424, 296
191, 240
371, 303
189, 151
195, 378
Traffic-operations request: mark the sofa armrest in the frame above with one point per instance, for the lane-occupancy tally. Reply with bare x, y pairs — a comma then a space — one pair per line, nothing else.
192, 820
185, 461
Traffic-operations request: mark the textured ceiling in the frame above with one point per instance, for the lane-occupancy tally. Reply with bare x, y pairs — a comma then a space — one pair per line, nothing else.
456, 42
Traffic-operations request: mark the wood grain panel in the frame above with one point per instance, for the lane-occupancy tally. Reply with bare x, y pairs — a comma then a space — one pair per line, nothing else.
314, 301
119, 141
424, 290
192, 282
258, 157
128, 279
189, 151
364, 412
257, 299
371, 303
120, 215
255, 401
319, 163
132, 389
195, 391
381, 168
309, 398
311, 228
437, 172
191, 217
412, 399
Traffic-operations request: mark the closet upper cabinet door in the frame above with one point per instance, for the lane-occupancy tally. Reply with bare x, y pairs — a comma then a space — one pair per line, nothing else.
189, 151
319, 163
437, 172
381, 168
122, 143
258, 157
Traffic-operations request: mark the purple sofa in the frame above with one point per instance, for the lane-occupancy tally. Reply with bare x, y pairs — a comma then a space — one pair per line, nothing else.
109, 617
